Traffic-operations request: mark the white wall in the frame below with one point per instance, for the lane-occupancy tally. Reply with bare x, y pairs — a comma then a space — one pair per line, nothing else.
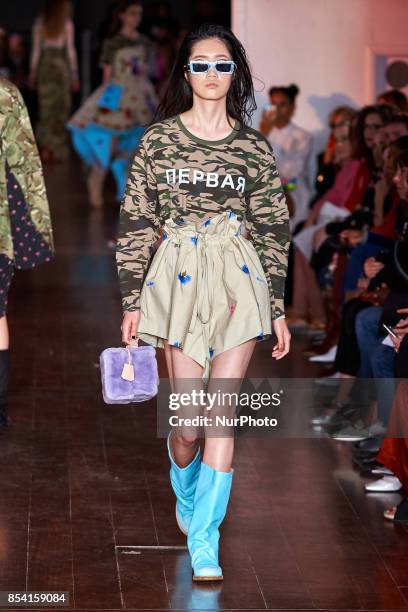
326, 47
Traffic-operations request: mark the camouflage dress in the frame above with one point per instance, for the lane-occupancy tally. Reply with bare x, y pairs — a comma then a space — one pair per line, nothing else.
25, 226
106, 130
54, 65
207, 288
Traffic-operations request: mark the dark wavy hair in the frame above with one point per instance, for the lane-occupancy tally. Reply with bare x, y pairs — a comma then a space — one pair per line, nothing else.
396, 98
178, 96
291, 91
360, 149
120, 7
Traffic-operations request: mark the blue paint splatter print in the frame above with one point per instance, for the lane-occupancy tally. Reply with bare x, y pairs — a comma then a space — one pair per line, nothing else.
184, 278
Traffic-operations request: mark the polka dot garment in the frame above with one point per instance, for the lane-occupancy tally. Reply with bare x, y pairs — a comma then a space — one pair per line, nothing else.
30, 248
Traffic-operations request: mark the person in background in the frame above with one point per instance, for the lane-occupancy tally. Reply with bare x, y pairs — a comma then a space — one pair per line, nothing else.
327, 165
396, 127
292, 146
334, 244
106, 130
4, 67
395, 98
393, 453
25, 227
54, 73
308, 305
386, 213
18, 60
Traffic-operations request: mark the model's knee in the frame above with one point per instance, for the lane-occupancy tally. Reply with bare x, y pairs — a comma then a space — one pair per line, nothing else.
186, 439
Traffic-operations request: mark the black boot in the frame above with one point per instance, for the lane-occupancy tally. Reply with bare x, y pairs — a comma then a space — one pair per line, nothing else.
4, 379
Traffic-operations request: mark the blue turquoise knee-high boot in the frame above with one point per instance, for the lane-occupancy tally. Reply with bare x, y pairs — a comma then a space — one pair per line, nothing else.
210, 506
184, 481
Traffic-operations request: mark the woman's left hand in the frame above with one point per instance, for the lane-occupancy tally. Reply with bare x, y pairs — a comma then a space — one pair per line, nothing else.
282, 332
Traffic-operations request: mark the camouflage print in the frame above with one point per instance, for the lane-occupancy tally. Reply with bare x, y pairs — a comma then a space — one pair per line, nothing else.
54, 98
19, 156
179, 176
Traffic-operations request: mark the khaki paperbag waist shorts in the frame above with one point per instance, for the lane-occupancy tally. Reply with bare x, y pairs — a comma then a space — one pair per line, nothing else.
205, 290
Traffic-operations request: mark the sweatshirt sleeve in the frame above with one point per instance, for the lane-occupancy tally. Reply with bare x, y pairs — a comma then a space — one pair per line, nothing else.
268, 221
23, 160
139, 228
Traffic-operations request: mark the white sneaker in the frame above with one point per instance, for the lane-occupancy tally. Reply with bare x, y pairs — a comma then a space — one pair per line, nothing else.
388, 484
352, 433
357, 432
377, 429
328, 357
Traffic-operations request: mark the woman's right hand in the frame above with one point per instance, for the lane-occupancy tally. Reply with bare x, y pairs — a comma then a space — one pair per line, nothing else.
372, 267
130, 324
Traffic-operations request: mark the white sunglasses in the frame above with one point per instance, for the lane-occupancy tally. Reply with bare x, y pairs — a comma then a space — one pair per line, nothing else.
203, 66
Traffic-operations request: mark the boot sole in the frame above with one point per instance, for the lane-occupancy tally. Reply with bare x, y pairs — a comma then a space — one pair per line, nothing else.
207, 578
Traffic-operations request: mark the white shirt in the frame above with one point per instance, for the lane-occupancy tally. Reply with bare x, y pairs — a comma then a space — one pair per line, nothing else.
292, 146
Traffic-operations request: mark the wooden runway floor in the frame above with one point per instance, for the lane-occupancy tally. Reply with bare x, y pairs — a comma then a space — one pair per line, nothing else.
81, 481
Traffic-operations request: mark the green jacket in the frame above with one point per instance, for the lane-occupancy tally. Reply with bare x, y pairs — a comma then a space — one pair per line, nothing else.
19, 153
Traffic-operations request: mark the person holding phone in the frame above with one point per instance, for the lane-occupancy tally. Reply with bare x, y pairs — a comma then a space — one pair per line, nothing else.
394, 449
292, 145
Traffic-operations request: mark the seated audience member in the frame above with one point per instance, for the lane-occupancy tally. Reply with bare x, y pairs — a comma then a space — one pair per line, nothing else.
396, 127
395, 98
382, 202
308, 302
370, 291
292, 146
331, 253
327, 163
393, 453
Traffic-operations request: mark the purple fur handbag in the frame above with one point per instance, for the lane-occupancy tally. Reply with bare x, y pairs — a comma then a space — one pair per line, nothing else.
129, 374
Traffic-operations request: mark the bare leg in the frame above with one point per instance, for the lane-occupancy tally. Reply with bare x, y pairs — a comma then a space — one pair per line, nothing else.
4, 334
95, 183
231, 364
180, 367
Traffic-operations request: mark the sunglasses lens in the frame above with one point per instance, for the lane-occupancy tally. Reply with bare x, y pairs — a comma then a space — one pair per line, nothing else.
199, 67
225, 67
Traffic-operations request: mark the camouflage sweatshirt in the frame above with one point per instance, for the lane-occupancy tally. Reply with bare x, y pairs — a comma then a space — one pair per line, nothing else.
19, 155
176, 174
